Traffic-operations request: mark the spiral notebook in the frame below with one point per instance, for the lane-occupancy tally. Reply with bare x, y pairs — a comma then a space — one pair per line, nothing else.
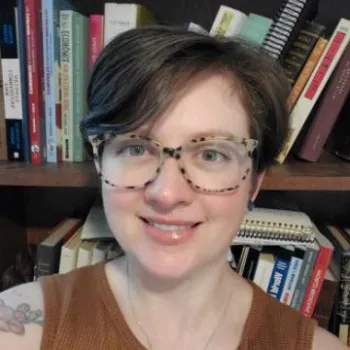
262, 226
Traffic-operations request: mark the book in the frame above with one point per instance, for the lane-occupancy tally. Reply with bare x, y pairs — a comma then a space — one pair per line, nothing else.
300, 49
255, 28
96, 37
275, 227
322, 263
287, 22
49, 250
11, 78
3, 145
316, 84
35, 76
69, 253
121, 17
333, 100
326, 299
228, 22
306, 72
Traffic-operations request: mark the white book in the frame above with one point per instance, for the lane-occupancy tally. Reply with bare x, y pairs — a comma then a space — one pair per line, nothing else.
119, 18
69, 253
263, 270
228, 22
316, 83
85, 253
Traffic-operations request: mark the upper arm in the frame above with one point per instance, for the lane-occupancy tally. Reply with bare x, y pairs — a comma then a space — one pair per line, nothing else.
21, 317
324, 340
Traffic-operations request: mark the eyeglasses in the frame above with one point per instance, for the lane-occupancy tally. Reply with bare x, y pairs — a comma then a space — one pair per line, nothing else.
208, 164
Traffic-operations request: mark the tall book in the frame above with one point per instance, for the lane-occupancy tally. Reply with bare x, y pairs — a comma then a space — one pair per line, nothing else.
74, 28
34, 47
287, 23
322, 263
96, 37
300, 49
333, 100
22, 54
11, 77
306, 72
3, 145
317, 82
52, 80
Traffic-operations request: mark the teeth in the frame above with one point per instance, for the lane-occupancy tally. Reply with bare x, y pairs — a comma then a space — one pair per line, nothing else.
170, 227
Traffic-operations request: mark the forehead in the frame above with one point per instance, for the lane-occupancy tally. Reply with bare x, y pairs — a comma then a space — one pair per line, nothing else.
208, 106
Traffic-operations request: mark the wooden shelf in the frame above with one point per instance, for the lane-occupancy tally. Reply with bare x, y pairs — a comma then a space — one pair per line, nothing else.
328, 174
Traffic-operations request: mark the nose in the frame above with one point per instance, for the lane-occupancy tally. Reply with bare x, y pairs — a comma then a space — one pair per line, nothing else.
170, 189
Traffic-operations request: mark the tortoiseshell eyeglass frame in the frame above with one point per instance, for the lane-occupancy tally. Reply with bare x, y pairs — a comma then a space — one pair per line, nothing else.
249, 144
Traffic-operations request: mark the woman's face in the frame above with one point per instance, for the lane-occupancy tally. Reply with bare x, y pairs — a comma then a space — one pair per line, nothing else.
155, 224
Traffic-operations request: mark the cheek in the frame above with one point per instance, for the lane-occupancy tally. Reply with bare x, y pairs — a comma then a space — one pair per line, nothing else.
227, 211
118, 207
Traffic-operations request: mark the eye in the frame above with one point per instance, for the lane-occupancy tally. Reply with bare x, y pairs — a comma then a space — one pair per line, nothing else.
133, 150
212, 155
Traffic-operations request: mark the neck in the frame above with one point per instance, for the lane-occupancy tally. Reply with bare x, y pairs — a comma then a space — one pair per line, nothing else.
201, 292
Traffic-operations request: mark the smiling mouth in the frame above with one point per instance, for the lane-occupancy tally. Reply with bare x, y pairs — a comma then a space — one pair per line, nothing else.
170, 227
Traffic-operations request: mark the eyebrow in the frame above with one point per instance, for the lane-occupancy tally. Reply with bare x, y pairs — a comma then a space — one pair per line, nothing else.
211, 132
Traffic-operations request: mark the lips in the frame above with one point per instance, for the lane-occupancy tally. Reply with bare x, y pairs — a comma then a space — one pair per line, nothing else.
166, 232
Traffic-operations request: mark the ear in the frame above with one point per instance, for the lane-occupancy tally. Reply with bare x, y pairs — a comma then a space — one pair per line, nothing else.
256, 185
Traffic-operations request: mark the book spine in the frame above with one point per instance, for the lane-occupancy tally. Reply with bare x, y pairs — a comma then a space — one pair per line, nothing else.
278, 277
22, 52
316, 280
228, 22
304, 276
66, 30
11, 85
306, 71
49, 79
291, 280
96, 37
300, 50
35, 81
332, 102
316, 84
81, 69
3, 136
325, 303
47, 259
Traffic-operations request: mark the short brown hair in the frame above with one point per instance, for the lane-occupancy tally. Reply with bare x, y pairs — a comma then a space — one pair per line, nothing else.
137, 75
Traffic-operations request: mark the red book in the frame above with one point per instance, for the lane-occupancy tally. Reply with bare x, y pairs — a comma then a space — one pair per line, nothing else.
318, 274
333, 101
35, 81
96, 37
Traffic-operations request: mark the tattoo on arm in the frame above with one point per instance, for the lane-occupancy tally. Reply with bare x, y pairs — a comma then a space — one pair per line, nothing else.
14, 319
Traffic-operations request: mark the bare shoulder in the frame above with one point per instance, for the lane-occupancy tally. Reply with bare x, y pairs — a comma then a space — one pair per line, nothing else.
324, 340
21, 317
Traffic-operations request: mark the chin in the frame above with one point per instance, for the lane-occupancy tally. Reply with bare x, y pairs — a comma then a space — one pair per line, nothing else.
168, 264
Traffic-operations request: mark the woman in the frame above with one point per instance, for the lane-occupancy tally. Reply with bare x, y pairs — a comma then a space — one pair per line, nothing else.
182, 127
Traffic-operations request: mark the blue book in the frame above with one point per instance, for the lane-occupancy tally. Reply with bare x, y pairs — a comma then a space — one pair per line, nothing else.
21, 34
279, 272
51, 61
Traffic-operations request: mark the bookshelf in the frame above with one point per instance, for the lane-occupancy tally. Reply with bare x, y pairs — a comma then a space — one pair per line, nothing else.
328, 174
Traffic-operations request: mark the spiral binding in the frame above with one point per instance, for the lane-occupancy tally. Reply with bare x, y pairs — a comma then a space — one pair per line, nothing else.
276, 231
